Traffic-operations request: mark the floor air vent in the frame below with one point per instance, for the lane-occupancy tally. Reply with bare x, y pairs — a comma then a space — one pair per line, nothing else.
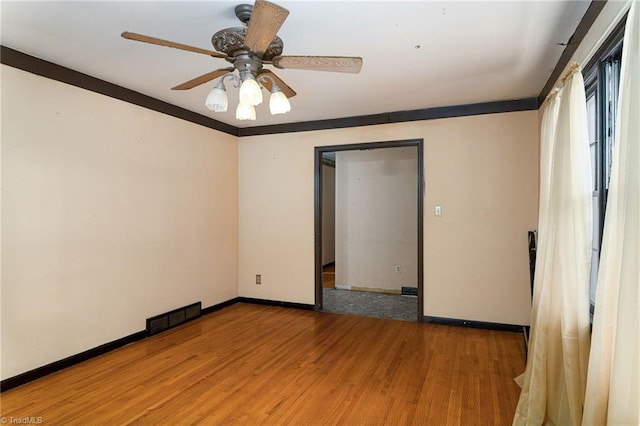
173, 318
409, 291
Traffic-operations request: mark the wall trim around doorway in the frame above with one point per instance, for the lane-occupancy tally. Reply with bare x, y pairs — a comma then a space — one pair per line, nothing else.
318, 156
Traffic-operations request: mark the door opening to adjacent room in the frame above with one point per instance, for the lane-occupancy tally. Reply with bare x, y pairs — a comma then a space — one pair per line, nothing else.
368, 229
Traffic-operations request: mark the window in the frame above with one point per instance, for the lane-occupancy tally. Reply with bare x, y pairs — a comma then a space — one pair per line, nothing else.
602, 78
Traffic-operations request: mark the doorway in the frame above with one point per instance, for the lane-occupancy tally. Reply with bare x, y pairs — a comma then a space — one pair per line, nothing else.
372, 283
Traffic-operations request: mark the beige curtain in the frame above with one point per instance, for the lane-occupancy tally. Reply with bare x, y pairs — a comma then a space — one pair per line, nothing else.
613, 386
555, 377
547, 143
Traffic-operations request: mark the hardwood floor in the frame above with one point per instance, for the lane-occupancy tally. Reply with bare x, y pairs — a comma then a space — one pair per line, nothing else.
329, 276
250, 364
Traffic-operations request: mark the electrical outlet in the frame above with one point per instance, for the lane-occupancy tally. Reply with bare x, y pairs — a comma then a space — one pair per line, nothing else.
437, 211
258, 279
398, 269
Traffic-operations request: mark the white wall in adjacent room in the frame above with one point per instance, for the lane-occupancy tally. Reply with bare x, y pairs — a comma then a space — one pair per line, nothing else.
377, 218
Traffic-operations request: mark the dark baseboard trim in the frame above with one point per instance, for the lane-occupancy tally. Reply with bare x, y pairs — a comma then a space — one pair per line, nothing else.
72, 360
214, 308
56, 72
396, 117
574, 41
45, 370
278, 303
473, 324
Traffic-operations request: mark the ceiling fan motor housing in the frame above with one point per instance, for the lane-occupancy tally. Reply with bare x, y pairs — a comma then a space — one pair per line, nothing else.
251, 47
245, 62
230, 40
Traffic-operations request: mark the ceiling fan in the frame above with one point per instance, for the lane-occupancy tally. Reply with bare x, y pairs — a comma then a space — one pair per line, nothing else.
248, 49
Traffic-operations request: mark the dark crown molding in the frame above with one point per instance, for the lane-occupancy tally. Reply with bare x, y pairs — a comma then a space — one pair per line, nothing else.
56, 72
581, 31
396, 117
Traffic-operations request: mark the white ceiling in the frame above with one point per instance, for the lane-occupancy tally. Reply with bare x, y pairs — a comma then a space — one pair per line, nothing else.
417, 54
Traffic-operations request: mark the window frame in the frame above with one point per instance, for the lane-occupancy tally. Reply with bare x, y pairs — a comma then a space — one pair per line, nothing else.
595, 83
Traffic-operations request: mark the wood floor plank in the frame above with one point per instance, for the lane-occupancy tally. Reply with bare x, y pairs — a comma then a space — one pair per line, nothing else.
249, 364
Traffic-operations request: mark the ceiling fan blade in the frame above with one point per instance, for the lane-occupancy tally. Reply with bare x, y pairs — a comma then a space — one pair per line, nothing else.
158, 41
266, 20
288, 91
202, 79
350, 64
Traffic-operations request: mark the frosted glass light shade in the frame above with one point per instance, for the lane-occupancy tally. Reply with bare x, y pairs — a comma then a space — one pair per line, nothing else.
217, 100
250, 93
278, 103
245, 112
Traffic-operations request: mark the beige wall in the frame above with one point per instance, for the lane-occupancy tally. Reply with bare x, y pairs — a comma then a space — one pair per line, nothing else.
482, 169
328, 214
111, 213
376, 218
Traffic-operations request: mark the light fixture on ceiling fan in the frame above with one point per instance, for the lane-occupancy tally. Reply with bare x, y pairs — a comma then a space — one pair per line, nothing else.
249, 96
248, 49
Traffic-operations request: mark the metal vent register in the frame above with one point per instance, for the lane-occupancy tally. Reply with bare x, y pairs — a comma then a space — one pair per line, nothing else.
162, 322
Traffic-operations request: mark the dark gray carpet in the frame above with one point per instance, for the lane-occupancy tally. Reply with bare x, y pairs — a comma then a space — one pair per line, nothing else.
370, 304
